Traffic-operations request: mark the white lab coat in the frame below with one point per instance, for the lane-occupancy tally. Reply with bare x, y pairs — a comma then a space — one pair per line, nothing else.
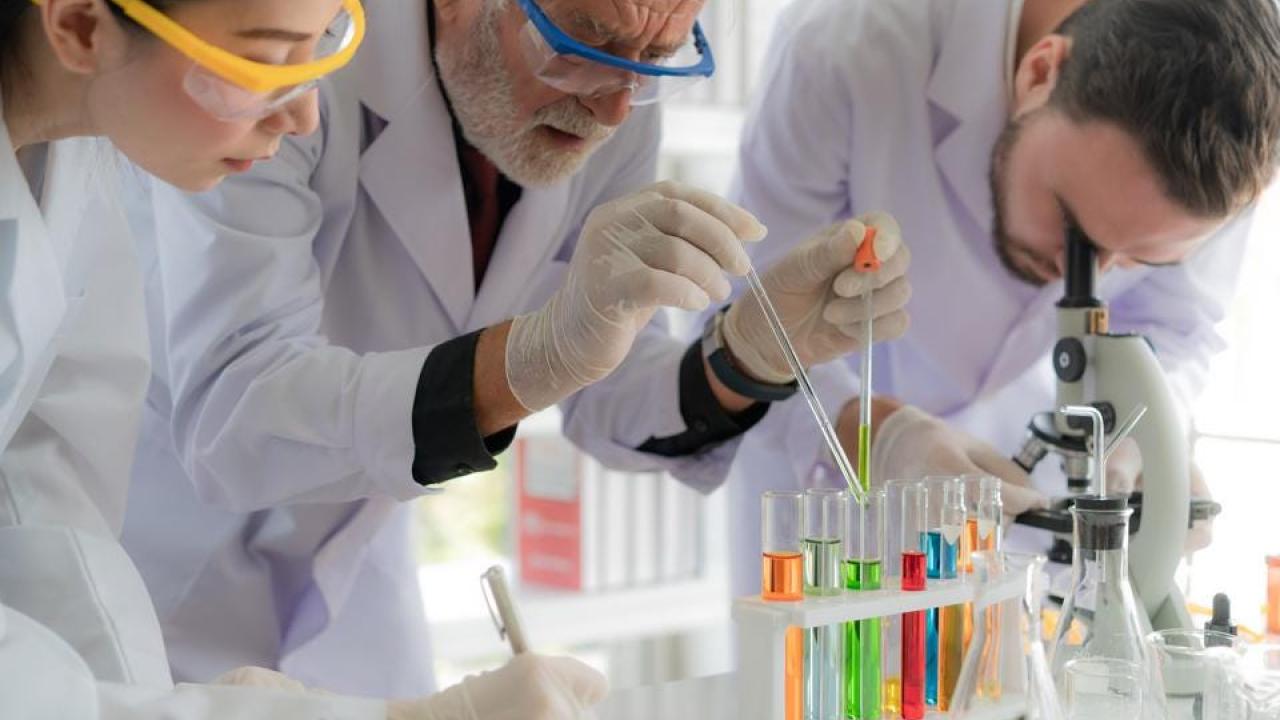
895, 106
41, 676
72, 326
291, 311
78, 635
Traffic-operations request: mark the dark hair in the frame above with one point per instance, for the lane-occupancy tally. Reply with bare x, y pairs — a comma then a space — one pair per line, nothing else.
1197, 82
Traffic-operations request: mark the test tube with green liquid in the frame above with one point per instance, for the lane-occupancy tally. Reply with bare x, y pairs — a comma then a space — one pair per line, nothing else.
823, 534
863, 566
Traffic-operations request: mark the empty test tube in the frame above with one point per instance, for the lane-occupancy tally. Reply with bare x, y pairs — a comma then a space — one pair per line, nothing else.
823, 534
782, 579
913, 623
864, 565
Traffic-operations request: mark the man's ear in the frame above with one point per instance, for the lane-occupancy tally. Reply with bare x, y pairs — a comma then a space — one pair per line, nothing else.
1037, 73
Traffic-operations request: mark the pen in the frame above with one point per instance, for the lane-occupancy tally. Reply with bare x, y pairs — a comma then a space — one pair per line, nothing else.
493, 583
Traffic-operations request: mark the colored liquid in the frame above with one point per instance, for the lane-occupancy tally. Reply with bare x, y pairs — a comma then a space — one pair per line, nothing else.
950, 652
862, 647
822, 652
793, 674
913, 665
892, 697
989, 659
1273, 594
782, 579
864, 456
822, 561
969, 545
933, 568
913, 640
782, 576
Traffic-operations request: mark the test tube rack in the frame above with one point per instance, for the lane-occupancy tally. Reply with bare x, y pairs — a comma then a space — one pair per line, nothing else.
762, 626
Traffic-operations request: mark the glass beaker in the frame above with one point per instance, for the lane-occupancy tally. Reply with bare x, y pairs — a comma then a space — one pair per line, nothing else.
1258, 680
1099, 687
1196, 669
1101, 599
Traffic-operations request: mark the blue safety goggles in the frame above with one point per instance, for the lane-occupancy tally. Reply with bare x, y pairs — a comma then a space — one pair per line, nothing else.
576, 68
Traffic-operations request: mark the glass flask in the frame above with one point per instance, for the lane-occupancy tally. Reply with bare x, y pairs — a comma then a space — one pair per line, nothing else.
1101, 602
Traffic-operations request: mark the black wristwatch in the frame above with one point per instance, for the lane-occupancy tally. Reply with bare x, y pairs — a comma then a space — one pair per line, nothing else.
717, 355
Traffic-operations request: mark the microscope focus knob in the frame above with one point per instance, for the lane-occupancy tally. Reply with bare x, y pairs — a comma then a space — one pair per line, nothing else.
1069, 359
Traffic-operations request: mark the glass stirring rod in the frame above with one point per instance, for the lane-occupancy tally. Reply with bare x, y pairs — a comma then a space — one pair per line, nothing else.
828, 431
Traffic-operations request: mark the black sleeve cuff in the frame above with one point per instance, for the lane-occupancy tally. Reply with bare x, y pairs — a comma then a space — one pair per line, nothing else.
707, 422
447, 443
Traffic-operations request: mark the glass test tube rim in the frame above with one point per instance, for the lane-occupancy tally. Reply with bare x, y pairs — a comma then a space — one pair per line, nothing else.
770, 499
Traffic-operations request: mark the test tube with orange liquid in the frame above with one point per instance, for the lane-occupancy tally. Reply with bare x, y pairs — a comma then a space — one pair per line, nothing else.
782, 580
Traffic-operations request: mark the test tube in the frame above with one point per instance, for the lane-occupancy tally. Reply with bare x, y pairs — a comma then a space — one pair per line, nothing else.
891, 625
933, 565
914, 501
969, 543
782, 580
990, 539
951, 617
1273, 594
823, 533
863, 565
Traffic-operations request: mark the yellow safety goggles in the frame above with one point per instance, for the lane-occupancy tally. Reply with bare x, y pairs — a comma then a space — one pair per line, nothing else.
232, 87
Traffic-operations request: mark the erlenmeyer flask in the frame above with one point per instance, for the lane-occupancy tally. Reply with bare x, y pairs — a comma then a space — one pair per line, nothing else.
1017, 659
1099, 619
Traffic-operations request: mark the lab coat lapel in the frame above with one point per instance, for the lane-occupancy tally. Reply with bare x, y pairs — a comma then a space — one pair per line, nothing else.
532, 233
33, 302
967, 83
411, 169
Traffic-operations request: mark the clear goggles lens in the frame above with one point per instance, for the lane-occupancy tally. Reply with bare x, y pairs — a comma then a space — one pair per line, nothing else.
583, 77
226, 100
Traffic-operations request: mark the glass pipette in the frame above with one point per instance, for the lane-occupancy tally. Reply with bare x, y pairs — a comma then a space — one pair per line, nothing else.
866, 261
806, 388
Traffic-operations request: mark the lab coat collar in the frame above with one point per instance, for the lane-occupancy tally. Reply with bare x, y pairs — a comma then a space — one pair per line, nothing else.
968, 83
411, 170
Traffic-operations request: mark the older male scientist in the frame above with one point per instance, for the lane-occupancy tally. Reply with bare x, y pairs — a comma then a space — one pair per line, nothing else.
331, 329
988, 129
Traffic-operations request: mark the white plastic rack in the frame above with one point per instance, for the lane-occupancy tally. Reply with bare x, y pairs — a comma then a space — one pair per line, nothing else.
762, 625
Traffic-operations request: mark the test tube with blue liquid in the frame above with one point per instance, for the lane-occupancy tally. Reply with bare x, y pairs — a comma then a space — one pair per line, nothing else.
864, 567
823, 656
932, 540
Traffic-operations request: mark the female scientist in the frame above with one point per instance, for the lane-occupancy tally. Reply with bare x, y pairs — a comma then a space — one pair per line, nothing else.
190, 91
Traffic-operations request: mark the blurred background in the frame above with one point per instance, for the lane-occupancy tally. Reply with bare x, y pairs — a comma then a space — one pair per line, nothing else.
630, 573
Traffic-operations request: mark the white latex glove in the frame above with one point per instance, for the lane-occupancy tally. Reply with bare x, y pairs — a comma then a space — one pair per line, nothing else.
260, 677
911, 443
667, 246
530, 687
818, 295
1124, 468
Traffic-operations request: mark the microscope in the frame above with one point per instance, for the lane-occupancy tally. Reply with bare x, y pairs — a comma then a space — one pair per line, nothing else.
1119, 375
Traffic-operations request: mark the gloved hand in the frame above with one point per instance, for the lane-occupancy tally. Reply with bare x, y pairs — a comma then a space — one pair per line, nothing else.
530, 687
260, 677
667, 246
818, 295
911, 443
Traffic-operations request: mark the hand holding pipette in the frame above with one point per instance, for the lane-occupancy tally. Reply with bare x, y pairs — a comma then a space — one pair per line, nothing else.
806, 304
818, 296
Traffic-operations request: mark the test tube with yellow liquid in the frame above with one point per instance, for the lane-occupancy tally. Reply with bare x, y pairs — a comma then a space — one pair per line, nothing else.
951, 617
782, 580
990, 539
